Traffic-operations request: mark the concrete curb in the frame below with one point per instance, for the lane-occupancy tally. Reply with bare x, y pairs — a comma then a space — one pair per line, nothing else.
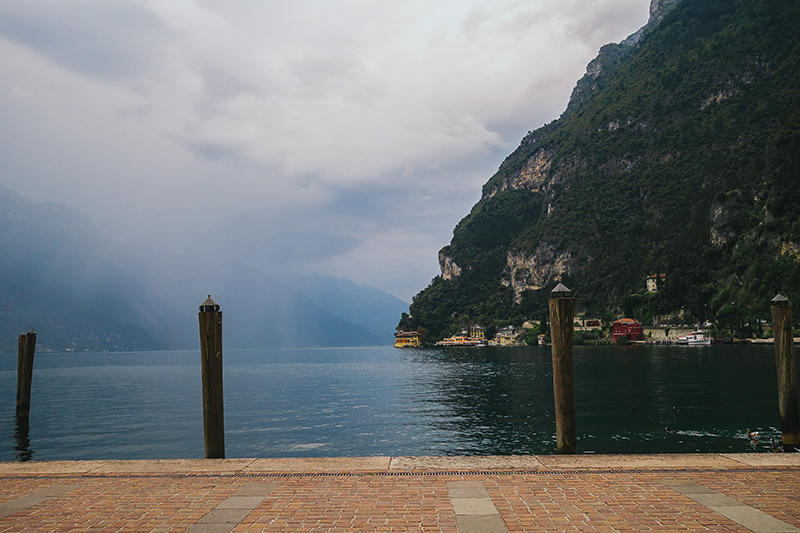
399, 464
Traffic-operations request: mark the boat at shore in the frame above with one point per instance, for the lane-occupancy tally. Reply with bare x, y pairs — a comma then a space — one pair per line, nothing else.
697, 338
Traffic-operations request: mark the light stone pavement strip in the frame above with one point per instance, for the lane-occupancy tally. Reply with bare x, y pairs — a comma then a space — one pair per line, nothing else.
475, 511
753, 519
35, 498
690, 493
235, 508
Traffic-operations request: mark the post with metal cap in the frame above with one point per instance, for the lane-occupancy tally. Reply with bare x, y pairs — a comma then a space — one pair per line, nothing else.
562, 312
26, 348
787, 375
210, 318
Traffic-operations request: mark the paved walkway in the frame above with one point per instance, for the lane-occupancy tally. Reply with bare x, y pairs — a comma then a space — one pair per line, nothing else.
710, 492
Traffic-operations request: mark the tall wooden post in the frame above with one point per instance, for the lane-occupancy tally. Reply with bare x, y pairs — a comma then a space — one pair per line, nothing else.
26, 348
562, 311
787, 376
210, 318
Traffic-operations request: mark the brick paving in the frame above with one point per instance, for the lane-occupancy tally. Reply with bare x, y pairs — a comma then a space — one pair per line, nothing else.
611, 493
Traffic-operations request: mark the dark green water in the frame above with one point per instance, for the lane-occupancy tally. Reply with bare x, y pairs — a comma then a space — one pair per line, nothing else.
384, 401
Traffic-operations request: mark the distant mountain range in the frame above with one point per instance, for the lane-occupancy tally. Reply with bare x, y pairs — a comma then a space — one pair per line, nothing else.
62, 278
300, 311
677, 157
56, 278
368, 307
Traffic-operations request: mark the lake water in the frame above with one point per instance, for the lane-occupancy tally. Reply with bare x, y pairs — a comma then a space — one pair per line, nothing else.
385, 401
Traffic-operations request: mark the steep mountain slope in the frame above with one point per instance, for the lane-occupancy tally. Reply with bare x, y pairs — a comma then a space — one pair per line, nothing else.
680, 157
56, 278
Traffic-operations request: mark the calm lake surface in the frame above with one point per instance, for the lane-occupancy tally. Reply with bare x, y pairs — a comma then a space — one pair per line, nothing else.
385, 401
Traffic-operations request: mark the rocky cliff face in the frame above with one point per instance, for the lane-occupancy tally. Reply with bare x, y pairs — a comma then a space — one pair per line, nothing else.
535, 269
448, 265
533, 176
659, 8
727, 218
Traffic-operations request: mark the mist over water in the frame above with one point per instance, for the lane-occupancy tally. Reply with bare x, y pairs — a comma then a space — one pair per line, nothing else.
384, 401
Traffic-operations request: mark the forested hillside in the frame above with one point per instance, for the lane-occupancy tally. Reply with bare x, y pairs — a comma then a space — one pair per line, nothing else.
679, 155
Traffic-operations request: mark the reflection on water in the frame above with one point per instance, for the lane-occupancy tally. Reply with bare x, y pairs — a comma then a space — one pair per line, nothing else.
707, 396
23, 440
384, 401
493, 400
654, 399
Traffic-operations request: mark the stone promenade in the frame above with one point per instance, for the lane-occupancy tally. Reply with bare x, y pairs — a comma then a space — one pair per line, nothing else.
696, 493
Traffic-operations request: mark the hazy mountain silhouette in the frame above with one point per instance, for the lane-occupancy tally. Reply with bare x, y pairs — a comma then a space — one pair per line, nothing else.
61, 277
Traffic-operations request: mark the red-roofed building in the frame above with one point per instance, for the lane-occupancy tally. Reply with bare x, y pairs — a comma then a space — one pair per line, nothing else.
627, 327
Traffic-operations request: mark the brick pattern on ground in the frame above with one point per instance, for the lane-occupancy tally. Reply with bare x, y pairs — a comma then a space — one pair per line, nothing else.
603, 500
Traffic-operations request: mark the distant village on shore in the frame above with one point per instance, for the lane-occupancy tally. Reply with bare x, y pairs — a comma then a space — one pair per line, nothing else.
666, 329
622, 331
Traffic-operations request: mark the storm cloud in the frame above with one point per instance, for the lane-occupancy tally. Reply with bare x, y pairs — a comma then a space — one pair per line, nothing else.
343, 138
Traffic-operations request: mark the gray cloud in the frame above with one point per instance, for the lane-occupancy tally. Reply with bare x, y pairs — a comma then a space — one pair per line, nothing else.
115, 40
342, 138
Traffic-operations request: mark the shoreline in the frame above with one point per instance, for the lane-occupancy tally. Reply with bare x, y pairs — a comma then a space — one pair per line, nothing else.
403, 464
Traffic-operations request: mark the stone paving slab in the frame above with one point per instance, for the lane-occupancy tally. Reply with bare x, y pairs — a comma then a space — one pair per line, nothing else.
475, 511
765, 459
34, 498
638, 461
314, 464
705, 493
50, 467
233, 510
749, 517
488, 462
221, 466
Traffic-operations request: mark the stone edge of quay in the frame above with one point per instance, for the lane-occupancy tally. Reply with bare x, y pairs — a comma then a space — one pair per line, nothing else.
378, 465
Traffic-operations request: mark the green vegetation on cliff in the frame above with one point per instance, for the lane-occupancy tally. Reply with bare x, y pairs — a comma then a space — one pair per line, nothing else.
685, 161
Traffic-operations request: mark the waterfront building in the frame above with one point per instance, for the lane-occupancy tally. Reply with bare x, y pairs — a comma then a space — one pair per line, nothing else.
474, 337
627, 327
406, 339
507, 336
458, 340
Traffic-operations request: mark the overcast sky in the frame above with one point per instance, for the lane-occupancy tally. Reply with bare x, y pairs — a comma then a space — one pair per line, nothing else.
339, 137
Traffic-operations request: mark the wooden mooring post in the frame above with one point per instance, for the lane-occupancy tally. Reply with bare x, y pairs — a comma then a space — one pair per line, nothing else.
562, 312
787, 375
210, 318
26, 348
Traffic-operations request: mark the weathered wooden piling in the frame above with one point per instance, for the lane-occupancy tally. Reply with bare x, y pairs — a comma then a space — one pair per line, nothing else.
26, 348
210, 318
562, 312
787, 375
